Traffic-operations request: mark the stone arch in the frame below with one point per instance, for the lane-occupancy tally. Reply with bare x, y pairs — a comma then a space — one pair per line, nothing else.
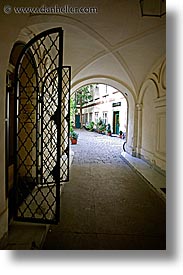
20, 38
162, 79
128, 94
144, 88
105, 79
10, 111
142, 116
151, 143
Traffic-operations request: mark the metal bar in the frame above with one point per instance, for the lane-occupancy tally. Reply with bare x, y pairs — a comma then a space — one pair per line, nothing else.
7, 127
69, 120
59, 124
65, 68
16, 93
37, 130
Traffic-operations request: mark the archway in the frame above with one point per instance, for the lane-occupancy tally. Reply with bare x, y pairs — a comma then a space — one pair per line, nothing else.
128, 95
151, 144
102, 103
32, 156
10, 123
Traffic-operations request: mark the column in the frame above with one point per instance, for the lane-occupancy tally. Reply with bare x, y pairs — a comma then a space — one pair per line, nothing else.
139, 129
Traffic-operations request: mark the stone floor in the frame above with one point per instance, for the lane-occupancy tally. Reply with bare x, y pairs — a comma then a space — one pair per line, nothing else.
106, 204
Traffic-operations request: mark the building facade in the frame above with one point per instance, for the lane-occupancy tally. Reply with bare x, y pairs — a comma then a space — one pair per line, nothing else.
109, 106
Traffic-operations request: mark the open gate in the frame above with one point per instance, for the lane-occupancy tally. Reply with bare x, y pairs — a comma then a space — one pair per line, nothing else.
42, 118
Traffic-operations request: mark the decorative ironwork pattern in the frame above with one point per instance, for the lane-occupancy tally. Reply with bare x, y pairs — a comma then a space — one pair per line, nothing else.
42, 88
65, 123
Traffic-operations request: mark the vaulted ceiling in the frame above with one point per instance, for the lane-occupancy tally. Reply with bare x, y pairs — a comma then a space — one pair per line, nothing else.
116, 41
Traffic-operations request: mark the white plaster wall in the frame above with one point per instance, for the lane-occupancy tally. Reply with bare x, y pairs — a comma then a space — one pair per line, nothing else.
148, 123
153, 146
130, 138
152, 133
160, 107
106, 106
160, 145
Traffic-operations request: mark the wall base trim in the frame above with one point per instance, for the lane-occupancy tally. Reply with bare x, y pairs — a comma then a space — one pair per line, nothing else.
153, 165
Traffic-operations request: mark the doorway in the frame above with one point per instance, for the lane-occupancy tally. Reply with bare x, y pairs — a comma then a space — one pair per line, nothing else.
77, 121
37, 128
116, 122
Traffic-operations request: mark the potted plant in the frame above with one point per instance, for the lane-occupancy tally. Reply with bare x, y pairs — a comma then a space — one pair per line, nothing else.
74, 137
90, 126
99, 126
120, 134
109, 132
108, 128
102, 129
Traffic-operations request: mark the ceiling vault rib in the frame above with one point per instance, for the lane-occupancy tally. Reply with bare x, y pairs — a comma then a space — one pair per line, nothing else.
130, 40
88, 62
100, 39
119, 59
112, 49
108, 48
127, 69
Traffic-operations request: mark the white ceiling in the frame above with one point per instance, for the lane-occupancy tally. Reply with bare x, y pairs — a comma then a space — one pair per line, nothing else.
116, 42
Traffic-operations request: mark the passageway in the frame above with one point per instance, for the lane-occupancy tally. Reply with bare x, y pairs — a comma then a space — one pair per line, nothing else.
106, 205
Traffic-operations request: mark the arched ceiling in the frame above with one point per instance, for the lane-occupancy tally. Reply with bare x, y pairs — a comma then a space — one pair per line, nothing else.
116, 42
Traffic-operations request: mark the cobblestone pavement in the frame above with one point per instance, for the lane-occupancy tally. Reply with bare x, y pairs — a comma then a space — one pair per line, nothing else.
106, 205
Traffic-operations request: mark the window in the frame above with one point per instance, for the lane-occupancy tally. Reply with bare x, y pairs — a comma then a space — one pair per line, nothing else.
91, 89
104, 118
97, 94
86, 118
96, 117
90, 117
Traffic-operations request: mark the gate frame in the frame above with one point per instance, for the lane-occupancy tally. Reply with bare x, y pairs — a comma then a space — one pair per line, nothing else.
59, 68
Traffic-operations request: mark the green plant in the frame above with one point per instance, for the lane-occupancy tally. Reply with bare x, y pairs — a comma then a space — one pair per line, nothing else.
83, 96
74, 135
73, 110
90, 126
71, 127
102, 127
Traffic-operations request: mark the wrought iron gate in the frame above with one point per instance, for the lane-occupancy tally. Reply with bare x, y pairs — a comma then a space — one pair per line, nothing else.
42, 87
